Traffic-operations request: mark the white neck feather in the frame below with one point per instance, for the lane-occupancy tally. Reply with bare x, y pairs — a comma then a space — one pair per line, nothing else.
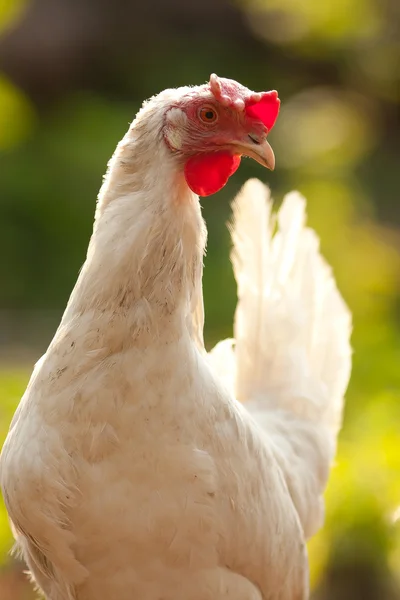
144, 262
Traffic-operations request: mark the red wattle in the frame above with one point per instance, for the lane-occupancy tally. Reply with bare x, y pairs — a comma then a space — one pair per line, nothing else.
266, 110
206, 174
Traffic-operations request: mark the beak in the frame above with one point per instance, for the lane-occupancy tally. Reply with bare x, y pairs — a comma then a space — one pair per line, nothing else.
259, 151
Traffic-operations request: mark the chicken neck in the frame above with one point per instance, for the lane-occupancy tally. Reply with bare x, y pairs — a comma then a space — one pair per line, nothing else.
144, 261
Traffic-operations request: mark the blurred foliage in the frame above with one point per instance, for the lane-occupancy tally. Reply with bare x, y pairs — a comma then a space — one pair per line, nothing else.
10, 12
329, 25
16, 115
336, 67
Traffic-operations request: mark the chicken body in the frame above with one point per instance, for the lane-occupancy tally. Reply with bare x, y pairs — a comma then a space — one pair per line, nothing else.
130, 469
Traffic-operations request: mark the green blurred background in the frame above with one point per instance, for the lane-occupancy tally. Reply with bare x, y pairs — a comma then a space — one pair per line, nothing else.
72, 75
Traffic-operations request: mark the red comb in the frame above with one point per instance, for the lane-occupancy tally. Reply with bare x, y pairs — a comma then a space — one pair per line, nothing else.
263, 106
266, 109
227, 92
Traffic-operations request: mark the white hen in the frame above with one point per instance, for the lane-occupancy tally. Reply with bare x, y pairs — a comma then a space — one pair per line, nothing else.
130, 469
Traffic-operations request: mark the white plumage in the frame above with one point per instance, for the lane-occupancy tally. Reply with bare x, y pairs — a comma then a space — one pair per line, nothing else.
290, 360
130, 469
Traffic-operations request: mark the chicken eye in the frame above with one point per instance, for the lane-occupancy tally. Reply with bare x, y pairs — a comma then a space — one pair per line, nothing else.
208, 114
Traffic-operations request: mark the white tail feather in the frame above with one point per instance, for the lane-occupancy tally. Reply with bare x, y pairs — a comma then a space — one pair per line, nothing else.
292, 356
